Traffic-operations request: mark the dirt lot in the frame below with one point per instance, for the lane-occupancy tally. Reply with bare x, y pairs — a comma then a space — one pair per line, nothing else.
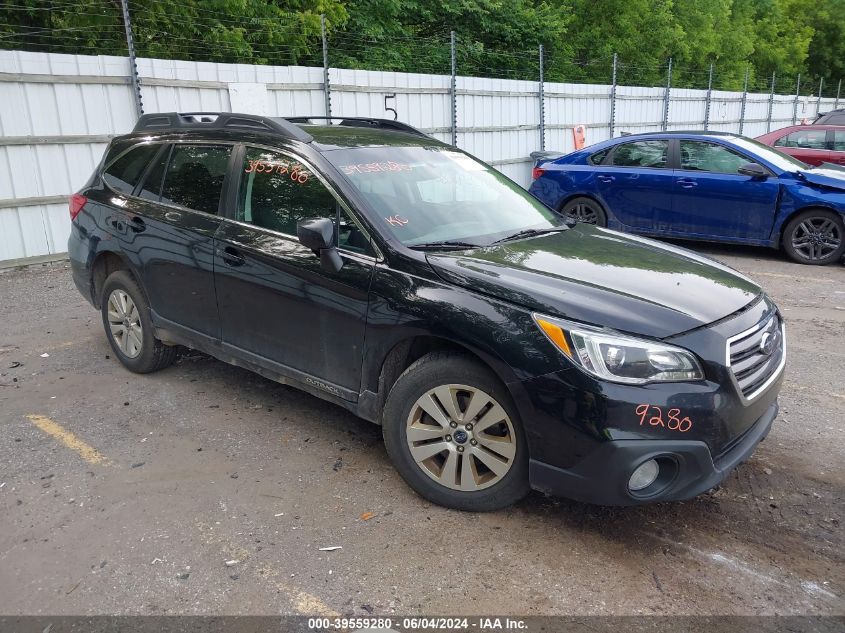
135, 494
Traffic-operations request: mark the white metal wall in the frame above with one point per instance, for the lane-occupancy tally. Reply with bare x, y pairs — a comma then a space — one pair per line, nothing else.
58, 112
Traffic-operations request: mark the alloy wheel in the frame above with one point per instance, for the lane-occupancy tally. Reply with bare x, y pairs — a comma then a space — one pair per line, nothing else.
461, 437
816, 238
581, 212
125, 323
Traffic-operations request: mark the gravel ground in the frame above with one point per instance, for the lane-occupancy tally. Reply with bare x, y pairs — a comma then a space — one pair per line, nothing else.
210, 490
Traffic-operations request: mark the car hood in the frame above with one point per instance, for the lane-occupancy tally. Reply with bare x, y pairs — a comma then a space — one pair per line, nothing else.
828, 175
603, 277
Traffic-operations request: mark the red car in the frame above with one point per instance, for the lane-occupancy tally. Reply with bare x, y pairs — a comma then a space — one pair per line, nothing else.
813, 144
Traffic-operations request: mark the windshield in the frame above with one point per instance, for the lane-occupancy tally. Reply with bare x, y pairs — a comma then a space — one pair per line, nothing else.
426, 195
781, 161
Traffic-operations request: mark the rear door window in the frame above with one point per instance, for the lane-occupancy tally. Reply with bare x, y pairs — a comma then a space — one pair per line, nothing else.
839, 140
698, 156
194, 176
123, 174
642, 154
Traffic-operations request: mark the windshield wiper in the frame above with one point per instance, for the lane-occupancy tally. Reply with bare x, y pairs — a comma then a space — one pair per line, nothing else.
444, 244
530, 233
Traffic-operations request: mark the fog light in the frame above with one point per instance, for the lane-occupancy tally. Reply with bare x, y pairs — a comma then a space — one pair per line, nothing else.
645, 475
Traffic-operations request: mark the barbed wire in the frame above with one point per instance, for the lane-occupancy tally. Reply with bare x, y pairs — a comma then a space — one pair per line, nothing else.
294, 39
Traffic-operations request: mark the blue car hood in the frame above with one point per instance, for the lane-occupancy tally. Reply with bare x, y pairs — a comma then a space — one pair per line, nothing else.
603, 277
828, 175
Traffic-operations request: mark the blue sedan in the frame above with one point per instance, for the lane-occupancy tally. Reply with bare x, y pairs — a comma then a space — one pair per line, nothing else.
700, 185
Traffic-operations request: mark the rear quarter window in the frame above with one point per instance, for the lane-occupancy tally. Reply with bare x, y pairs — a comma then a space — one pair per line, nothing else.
124, 173
598, 157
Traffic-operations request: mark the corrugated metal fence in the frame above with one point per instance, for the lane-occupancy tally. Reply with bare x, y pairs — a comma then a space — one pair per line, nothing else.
58, 112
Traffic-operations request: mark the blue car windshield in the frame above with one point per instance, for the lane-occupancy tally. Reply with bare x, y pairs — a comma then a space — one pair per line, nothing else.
432, 194
780, 161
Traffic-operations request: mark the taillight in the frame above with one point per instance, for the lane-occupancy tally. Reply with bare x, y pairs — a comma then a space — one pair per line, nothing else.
536, 173
75, 204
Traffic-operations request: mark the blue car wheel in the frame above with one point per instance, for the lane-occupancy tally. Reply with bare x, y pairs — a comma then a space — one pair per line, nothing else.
815, 237
585, 210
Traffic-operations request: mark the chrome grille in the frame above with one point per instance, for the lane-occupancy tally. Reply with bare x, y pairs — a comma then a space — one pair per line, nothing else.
757, 356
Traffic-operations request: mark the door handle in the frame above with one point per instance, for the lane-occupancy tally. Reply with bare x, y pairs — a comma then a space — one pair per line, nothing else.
231, 256
606, 178
687, 184
137, 224
172, 216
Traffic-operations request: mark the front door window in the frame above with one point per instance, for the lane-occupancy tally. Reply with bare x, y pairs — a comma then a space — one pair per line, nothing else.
277, 191
716, 159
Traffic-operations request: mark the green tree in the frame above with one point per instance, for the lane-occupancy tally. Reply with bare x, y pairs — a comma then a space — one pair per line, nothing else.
782, 41
644, 33
495, 36
720, 32
826, 53
256, 31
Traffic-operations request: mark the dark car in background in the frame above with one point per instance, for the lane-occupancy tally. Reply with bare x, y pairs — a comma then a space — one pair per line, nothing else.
834, 117
499, 347
710, 186
811, 144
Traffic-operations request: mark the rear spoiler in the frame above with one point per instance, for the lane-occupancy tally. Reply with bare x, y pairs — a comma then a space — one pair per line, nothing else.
545, 156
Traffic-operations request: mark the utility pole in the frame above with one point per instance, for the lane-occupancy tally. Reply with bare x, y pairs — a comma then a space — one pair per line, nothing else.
613, 97
771, 104
819, 101
709, 95
542, 103
665, 123
327, 89
454, 89
744, 101
133, 65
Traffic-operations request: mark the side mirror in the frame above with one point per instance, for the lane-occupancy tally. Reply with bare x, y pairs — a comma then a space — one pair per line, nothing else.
318, 235
755, 170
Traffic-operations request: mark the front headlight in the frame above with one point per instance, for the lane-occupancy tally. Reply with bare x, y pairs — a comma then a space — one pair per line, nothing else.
620, 358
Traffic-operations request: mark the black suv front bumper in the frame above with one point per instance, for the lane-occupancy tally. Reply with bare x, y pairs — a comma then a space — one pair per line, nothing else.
603, 478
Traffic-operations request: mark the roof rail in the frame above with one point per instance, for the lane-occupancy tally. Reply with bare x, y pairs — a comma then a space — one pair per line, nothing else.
220, 121
357, 121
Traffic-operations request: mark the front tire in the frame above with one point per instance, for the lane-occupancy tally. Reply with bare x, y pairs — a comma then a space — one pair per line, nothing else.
815, 237
129, 329
453, 434
585, 210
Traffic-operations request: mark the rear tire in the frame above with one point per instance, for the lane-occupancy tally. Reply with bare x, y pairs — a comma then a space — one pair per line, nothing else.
129, 329
585, 210
815, 237
482, 464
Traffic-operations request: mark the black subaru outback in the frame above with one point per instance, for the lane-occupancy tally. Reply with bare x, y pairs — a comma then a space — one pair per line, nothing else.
500, 348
